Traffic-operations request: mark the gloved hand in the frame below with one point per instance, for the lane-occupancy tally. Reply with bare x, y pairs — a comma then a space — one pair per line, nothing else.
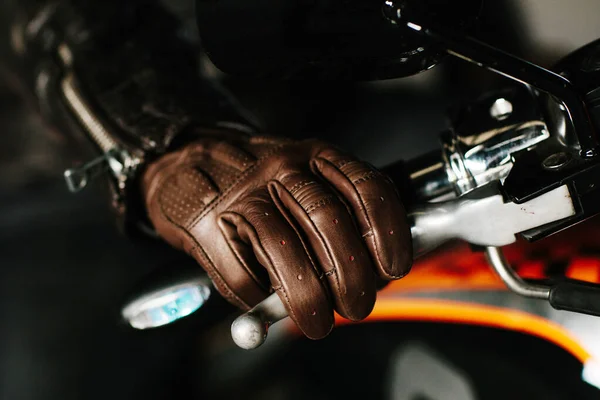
302, 218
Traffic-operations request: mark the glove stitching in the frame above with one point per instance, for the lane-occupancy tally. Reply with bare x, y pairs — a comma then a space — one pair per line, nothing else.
315, 228
164, 165
291, 221
342, 298
334, 269
241, 260
245, 266
230, 157
299, 186
218, 200
323, 202
368, 218
342, 163
213, 273
272, 267
366, 177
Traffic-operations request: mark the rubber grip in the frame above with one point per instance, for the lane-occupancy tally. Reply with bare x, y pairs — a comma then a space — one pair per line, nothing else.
579, 297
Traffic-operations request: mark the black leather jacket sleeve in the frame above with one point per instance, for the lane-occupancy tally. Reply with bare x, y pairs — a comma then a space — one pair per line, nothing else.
117, 73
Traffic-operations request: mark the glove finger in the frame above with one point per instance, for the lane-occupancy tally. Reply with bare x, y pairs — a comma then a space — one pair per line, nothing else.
377, 208
173, 204
278, 247
337, 247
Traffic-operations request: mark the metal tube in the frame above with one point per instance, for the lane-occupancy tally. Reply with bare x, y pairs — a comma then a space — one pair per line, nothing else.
428, 177
496, 259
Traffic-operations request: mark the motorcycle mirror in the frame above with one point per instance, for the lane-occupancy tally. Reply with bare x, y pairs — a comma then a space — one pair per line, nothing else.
324, 39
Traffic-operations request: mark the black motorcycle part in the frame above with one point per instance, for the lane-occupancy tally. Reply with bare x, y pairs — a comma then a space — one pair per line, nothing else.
575, 296
323, 39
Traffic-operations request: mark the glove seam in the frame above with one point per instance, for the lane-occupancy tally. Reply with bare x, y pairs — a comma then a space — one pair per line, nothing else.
229, 294
271, 266
223, 285
240, 259
293, 223
364, 210
245, 174
334, 269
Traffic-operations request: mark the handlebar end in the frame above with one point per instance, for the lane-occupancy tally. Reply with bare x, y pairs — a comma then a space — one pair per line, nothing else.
248, 331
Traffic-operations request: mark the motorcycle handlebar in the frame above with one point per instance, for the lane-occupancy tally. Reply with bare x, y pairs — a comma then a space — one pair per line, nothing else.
432, 225
422, 180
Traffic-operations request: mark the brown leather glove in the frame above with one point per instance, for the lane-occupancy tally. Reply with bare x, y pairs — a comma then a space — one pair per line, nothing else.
302, 218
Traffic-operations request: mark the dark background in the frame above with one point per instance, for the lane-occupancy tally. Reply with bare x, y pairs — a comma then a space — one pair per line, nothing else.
65, 270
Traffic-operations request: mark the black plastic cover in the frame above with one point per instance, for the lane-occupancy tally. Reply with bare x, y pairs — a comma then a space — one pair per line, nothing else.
576, 296
323, 39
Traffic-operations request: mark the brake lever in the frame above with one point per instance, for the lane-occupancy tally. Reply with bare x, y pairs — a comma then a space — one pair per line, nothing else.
480, 217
